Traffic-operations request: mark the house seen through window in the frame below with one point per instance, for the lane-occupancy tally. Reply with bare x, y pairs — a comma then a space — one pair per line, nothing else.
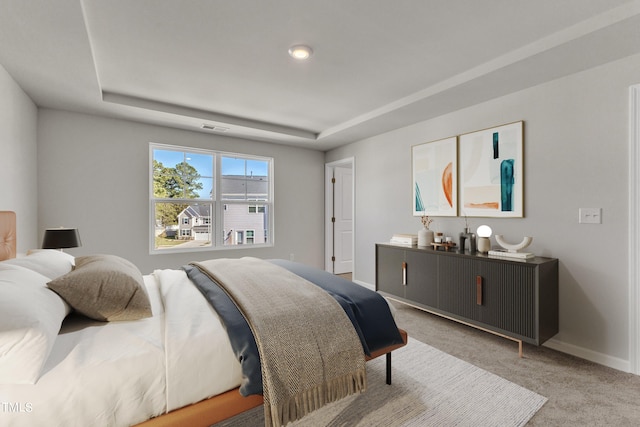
202, 200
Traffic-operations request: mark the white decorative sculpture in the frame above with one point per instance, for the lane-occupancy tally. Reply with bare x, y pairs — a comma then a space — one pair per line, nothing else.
513, 247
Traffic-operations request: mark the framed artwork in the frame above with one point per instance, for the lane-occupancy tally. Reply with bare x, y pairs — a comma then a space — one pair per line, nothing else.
491, 172
435, 175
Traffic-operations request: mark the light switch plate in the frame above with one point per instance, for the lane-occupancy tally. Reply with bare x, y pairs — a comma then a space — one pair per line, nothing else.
590, 215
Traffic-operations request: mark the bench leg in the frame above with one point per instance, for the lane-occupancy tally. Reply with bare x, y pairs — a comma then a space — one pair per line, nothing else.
389, 368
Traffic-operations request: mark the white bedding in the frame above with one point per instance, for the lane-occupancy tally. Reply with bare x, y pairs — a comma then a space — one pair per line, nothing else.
199, 358
122, 373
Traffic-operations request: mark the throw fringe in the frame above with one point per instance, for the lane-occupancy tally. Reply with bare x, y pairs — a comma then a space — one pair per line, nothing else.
280, 414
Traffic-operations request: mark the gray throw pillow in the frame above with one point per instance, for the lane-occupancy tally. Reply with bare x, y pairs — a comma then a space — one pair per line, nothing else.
105, 288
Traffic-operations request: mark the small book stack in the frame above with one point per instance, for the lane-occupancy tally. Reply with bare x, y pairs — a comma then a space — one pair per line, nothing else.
502, 253
404, 239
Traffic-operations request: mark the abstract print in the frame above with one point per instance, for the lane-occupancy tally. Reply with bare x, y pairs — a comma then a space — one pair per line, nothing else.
491, 180
434, 166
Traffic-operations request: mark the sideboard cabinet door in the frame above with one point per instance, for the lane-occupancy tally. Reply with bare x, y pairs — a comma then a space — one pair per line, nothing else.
406, 274
457, 286
509, 298
422, 278
389, 274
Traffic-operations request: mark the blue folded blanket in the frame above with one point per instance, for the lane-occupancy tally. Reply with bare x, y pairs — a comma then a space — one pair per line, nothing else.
367, 310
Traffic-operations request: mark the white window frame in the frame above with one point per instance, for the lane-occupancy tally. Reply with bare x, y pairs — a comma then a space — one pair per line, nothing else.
218, 205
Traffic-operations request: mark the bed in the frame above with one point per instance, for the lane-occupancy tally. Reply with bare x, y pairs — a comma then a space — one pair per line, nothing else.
167, 362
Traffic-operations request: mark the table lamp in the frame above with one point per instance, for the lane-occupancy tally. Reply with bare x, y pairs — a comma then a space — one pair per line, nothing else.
484, 244
60, 238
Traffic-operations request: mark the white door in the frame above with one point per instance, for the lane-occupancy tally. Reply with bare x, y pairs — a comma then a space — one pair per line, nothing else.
343, 222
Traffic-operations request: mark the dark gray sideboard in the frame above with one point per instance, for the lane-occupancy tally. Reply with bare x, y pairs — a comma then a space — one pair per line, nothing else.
512, 298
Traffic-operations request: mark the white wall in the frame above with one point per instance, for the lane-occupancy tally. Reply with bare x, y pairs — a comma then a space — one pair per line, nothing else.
576, 138
94, 175
18, 159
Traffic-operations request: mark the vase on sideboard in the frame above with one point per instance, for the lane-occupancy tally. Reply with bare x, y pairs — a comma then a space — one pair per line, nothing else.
425, 237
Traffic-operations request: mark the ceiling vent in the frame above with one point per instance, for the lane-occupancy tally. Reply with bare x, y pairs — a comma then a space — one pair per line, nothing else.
214, 128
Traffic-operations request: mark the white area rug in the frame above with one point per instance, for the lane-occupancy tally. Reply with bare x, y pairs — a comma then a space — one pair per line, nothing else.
430, 388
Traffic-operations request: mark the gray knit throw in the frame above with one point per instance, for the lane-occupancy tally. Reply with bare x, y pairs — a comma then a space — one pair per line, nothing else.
310, 353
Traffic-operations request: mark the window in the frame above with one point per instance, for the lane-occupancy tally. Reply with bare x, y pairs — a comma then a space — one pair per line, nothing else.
195, 192
256, 209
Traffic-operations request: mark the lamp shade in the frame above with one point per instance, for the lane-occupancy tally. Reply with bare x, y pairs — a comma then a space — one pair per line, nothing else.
484, 231
60, 238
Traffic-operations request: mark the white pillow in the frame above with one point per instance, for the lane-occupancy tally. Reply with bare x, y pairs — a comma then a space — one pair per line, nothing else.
48, 262
30, 319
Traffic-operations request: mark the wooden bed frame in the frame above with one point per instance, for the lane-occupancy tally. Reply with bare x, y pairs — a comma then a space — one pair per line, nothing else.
206, 412
231, 403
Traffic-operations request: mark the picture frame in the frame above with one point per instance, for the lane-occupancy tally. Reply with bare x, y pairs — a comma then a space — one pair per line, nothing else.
435, 178
491, 172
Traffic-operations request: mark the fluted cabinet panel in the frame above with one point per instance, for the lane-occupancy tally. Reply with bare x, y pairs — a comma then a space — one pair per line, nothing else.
509, 301
389, 272
457, 286
422, 279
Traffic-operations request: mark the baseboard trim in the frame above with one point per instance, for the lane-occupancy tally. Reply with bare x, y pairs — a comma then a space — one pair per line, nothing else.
590, 355
365, 284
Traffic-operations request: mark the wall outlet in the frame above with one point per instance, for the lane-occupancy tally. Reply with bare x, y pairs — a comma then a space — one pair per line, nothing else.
291, 257
590, 215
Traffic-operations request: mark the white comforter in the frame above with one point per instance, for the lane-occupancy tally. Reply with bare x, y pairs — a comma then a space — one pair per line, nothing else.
122, 373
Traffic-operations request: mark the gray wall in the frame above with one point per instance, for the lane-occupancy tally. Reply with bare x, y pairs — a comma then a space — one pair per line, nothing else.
576, 155
18, 159
94, 175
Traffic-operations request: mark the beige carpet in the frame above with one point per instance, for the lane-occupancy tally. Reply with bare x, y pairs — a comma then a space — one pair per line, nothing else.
580, 393
430, 388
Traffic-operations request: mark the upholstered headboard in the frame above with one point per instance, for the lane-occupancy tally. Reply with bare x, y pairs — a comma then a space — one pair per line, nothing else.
7, 235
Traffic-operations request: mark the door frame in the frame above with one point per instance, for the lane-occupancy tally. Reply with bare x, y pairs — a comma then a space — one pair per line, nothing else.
328, 211
634, 229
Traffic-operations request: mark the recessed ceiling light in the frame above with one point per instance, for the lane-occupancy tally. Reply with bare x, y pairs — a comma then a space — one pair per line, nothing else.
300, 52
